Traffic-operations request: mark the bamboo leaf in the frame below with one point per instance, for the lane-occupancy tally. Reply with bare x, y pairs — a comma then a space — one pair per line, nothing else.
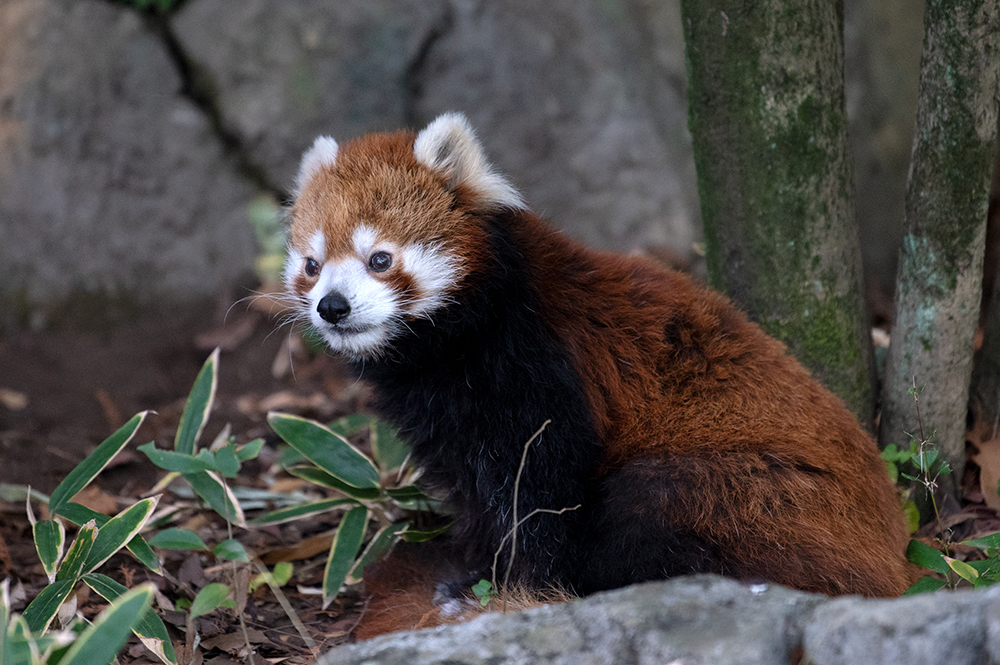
49, 536
199, 403
299, 512
926, 556
150, 627
178, 539
218, 495
326, 449
139, 548
963, 570
411, 536
991, 541
171, 460
382, 542
101, 641
226, 461
119, 530
231, 550
320, 477
208, 599
924, 585
76, 557
40, 611
250, 450
87, 470
348, 425
343, 551
387, 447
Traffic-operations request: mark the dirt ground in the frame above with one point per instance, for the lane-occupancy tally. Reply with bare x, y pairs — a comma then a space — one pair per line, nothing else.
63, 392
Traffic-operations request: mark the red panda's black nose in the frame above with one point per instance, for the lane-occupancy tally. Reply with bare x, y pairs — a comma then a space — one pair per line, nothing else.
333, 307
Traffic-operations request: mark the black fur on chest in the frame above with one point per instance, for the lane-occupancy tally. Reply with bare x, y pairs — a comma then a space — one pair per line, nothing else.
467, 391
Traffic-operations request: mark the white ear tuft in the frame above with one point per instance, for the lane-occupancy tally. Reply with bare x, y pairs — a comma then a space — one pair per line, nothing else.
322, 153
449, 145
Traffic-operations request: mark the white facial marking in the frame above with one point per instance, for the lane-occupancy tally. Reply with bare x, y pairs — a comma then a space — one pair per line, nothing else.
434, 271
374, 314
449, 145
323, 153
317, 245
364, 238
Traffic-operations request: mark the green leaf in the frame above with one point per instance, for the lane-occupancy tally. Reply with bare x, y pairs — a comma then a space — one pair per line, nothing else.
343, 551
483, 589
170, 460
924, 585
348, 425
911, 513
926, 556
49, 536
218, 495
231, 550
150, 627
424, 536
991, 541
118, 531
407, 493
327, 450
87, 470
250, 450
139, 548
299, 512
380, 543
209, 599
324, 479
387, 447
101, 641
963, 570
890, 468
178, 539
278, 577
199, 403
40, 611
79, 551
226, 461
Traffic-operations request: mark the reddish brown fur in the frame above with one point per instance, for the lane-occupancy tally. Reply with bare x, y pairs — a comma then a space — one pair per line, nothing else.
740, 446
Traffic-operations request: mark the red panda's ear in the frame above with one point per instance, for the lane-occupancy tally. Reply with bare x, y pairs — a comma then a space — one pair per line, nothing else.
323, 153
449, 146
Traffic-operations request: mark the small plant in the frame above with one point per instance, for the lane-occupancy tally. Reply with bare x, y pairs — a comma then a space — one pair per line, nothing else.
77, 643
927, 467
381, 489
100, 536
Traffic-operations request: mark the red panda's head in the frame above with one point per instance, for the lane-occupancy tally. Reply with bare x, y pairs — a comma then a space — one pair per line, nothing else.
384, 230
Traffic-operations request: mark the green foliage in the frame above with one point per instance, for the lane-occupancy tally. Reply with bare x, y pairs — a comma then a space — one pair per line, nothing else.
483, 589
77, 644
377, 489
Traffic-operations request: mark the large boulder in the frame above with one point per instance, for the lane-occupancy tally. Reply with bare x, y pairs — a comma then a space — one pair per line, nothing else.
111, 181
581, 104
703, 620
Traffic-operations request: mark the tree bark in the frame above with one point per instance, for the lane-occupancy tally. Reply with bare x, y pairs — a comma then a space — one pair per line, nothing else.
940, 268
767, 117
986, 371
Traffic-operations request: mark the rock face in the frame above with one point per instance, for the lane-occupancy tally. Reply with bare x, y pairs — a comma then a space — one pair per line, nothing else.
131, 145
111, 181
710, 620
580, 104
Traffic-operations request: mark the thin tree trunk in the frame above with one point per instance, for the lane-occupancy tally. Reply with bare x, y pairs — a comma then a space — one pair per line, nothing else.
940, 269
766, 105
986, 373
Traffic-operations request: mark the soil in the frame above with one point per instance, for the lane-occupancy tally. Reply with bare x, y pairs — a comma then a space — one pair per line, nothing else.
64, 391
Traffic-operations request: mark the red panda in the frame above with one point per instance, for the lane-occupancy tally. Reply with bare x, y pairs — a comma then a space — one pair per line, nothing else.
686, 438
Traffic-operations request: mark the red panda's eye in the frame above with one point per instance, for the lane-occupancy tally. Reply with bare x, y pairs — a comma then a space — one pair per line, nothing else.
380, 261
312, 267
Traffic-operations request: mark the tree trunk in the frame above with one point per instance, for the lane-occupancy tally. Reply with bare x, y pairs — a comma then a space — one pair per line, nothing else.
940, 267
986, 373
766, 112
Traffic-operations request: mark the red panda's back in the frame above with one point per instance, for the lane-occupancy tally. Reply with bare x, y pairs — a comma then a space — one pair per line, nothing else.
729, 436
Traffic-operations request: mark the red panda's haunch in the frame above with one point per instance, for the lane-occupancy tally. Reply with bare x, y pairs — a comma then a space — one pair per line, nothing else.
690, 440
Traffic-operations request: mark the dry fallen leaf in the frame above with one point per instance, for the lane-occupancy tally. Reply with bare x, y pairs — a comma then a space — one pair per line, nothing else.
988, 459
